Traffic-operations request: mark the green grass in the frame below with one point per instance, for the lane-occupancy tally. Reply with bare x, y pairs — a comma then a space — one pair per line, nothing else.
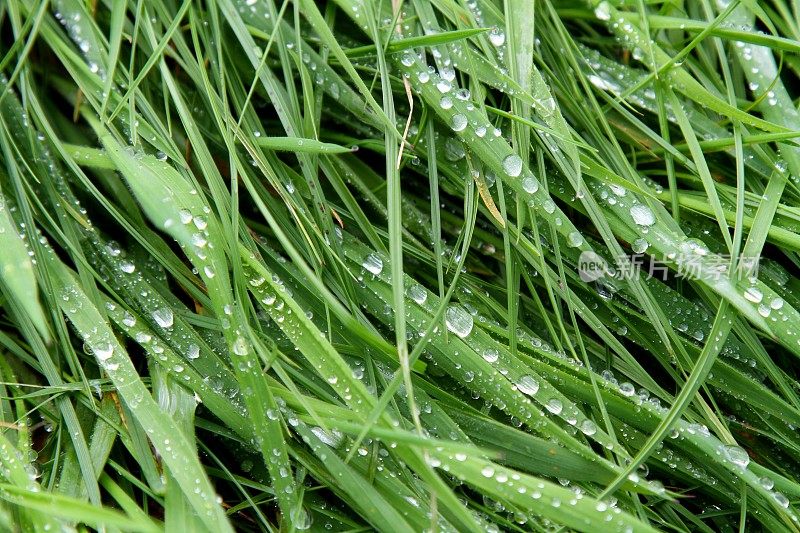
315, 265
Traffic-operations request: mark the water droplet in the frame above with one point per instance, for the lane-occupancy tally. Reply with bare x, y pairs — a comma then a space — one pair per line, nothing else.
588, 427
753, 294
458, 122
736, 454
332, 438
301, 519
490, 355
458, 321
373, 263
463, 94
546, 106
780, 499
530, 184
528, 385
642, 215
443, 86
417, 293
454, 149
240, 346
193, 351
554, 405
512, 165
603, 11
163, 317
497, 37
640, 246
103, 351
618, 190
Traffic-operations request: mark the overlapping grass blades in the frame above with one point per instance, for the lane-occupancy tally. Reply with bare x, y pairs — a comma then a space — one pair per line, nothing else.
316, 265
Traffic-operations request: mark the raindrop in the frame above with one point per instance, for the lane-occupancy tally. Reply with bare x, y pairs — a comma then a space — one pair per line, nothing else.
554, 405
459, 122
112, 247
642, 215
547, 106
332, 438
497, 37
603, 11
443, 86
240, 346
530, 184
588, 427
417, 293
301, 519
193, 352
490, 355
103, 352
528, 385
454, 149
373, 263
736, 454
640, 246
753, 294
163, 317
458, 321
780, 499
512, 165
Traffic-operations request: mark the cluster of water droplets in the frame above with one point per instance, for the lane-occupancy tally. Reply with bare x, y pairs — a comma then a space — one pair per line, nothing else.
81, 34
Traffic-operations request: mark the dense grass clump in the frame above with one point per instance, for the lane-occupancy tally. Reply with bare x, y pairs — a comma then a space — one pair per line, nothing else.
458, 265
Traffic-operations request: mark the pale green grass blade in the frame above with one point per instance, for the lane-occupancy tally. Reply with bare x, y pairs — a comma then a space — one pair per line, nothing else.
172, 445
72, 509
16, 270
296, 144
